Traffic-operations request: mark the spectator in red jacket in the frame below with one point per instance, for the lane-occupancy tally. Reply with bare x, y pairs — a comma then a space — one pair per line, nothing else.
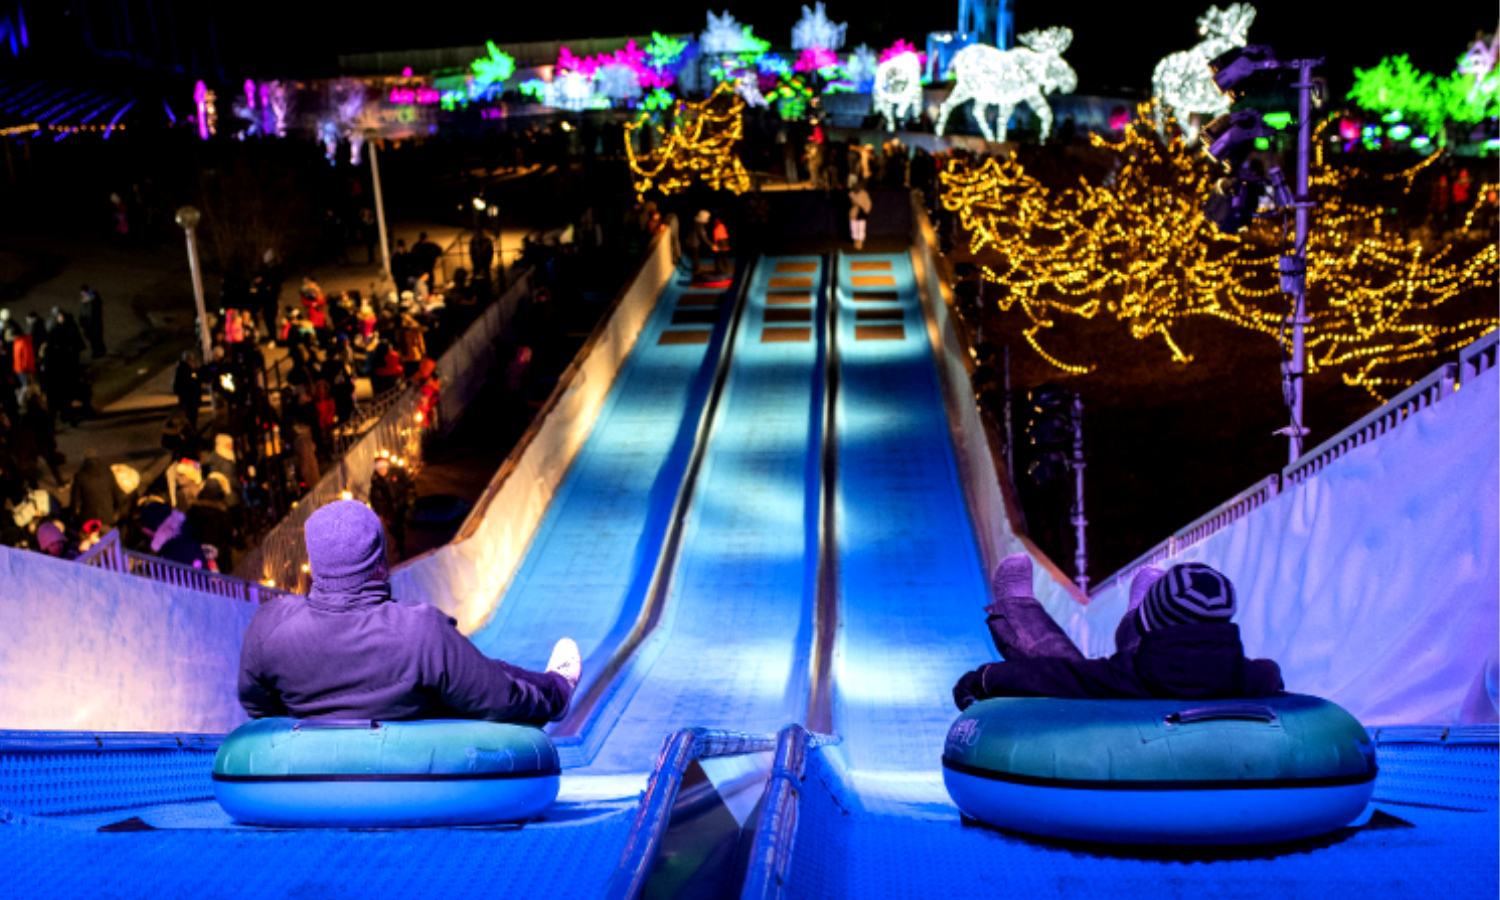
22, 354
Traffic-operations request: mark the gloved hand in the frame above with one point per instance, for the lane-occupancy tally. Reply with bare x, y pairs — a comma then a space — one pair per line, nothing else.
968, 689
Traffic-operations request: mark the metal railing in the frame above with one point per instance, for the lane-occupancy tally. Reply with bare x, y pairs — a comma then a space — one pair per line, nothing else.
776, 833
1199, 530
1474, 360
348, 433
1478, 357
109, 555
281, 557
1418, 397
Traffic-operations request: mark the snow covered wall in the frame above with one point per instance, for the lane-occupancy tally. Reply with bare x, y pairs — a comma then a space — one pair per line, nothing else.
466, 578
84, 649
1375, 582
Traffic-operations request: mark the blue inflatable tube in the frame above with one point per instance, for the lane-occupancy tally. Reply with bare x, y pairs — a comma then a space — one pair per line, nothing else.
310, 773
1161, 772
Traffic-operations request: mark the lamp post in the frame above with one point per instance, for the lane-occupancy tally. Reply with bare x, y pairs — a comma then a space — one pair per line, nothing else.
1294, 265
188, 218
1080, 521
1227, 140
385, 242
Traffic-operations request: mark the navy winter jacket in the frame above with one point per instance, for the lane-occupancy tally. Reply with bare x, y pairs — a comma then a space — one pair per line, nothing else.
1184, 662
378, 658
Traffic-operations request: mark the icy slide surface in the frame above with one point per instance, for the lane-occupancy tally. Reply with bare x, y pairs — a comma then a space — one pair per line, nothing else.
588, 568
731, 650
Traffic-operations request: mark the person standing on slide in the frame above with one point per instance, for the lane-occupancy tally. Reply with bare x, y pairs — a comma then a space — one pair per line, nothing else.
859, 210
349, 650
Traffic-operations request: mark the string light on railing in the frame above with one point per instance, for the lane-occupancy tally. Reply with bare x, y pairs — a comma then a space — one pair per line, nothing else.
1139, 249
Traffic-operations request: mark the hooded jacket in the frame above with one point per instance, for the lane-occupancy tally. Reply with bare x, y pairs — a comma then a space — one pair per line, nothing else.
1184, 662
348, 650
96, 492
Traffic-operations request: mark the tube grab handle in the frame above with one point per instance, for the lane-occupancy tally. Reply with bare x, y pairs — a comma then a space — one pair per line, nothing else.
1251, 711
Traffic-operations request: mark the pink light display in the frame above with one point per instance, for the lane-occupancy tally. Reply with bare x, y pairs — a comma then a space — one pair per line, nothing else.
629, 56
814, 58
200, 98
900, 47
409, 96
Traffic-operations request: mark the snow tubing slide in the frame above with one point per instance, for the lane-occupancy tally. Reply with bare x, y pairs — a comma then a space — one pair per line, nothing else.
361, 774
1161, 771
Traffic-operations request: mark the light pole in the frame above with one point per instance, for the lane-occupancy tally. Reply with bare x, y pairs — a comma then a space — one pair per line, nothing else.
385, 242
1227, 140
1294, 265
188, 218
1080, 522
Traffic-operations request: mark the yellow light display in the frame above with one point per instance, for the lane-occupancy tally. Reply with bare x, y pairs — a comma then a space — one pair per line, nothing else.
700, 145
1139, 248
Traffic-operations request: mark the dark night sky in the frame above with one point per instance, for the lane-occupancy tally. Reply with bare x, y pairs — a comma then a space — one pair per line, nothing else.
1114, 44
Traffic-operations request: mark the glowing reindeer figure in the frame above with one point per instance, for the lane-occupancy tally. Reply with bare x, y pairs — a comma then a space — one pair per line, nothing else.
898, 88
1004, 78
1182, 81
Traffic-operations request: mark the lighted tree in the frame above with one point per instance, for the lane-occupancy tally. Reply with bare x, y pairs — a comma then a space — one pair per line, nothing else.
493, 68
1395, 85
1139, 248
700, 145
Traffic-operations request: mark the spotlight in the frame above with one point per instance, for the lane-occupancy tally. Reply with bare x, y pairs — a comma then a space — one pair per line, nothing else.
1231, 205
1230, 138
1048, 466
479, 203
1237, 65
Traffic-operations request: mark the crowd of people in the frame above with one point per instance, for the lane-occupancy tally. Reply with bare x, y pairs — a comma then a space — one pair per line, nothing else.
283, 385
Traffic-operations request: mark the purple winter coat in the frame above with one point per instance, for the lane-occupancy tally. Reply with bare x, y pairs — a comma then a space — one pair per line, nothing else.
368, 656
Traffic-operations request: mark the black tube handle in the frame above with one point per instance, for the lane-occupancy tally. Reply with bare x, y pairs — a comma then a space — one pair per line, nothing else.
1251, 711
315, 724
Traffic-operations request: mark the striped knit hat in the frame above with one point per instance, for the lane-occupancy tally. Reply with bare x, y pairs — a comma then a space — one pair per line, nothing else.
1189, 594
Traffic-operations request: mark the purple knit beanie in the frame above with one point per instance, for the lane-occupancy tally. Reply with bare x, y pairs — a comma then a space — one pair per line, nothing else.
345, 546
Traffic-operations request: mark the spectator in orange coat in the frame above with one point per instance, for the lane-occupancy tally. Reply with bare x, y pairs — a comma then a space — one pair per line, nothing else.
22, 354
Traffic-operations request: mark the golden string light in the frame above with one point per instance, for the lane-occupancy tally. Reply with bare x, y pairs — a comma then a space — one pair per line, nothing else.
1138, 247
700, 144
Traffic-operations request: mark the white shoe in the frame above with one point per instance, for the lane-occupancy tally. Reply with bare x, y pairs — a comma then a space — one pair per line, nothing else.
566, 662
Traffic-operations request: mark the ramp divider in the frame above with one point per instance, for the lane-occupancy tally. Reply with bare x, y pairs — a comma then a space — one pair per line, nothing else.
579, 736
826, 608
776, 831
678, 751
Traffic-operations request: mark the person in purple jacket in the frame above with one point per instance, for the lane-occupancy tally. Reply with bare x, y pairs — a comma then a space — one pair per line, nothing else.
1175, 642
349, 650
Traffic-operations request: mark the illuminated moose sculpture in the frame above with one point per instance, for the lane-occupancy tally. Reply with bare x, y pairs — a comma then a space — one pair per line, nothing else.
1004, 78
1182, 81
898, 88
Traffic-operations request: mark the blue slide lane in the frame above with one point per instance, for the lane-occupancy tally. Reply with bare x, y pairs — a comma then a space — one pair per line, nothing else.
732, 648
875, 819
911, 585
588, 568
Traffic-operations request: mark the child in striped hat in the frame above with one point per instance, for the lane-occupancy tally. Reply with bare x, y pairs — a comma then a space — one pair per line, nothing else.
1176, 641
